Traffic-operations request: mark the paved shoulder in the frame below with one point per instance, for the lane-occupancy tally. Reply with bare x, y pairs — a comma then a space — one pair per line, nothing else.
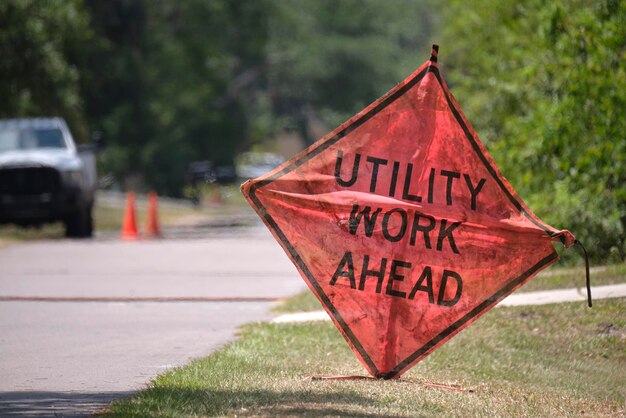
83, 322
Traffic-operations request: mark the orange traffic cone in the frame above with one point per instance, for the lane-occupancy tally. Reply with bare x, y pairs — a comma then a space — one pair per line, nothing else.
152, 221
129, 227
215, 197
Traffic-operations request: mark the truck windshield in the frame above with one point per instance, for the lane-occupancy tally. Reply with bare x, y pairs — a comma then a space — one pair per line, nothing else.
14, 138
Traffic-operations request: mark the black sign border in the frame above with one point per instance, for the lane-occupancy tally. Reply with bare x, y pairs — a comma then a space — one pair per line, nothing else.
478, 310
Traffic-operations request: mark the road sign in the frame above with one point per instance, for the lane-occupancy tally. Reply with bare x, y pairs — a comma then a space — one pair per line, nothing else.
402, 225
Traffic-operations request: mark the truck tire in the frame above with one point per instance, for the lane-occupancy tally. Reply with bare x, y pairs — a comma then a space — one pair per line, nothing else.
80, 224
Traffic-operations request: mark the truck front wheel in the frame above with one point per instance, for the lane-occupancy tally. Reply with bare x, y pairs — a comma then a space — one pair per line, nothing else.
80, 223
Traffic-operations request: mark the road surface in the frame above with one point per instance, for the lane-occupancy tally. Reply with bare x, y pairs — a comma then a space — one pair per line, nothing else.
84, 322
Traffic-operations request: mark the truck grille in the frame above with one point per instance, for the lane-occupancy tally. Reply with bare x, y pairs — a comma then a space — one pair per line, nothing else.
29, 180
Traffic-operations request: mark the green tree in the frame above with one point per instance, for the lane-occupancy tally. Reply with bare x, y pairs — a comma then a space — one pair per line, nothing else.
329, 59
204, 72
545, 86
172, 82
114, 83
41, 44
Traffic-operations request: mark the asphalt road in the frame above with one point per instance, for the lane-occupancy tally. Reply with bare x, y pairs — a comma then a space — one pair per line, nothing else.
85, 322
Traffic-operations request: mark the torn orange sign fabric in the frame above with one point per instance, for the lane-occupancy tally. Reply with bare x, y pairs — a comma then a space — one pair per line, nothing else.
402, 225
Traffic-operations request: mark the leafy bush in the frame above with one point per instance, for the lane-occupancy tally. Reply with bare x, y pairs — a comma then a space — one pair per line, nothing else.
545, 85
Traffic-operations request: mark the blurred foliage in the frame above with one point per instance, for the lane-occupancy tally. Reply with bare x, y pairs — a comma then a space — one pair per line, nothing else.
544, 84
41, 46
328, 59
174, 82
171, 82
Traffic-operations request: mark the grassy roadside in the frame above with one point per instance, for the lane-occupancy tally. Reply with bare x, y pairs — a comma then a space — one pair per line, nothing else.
564, 278
109, 213
553, 360
106, 218
550, 279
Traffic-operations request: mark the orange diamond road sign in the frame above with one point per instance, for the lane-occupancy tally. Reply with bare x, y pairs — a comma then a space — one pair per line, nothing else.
402, 225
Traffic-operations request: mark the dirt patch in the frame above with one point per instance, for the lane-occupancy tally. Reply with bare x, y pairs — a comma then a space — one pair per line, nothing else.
607, 330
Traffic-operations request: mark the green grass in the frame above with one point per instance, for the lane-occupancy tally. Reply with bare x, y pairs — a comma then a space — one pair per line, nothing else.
302, 302
106, 218
563, 278
109, 216
553, 360
12, 233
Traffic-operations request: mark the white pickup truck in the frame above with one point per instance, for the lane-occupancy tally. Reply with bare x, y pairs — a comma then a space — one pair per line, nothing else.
45, 177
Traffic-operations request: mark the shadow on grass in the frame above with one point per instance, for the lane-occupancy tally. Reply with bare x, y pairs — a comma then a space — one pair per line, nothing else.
210, 402
55, 404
